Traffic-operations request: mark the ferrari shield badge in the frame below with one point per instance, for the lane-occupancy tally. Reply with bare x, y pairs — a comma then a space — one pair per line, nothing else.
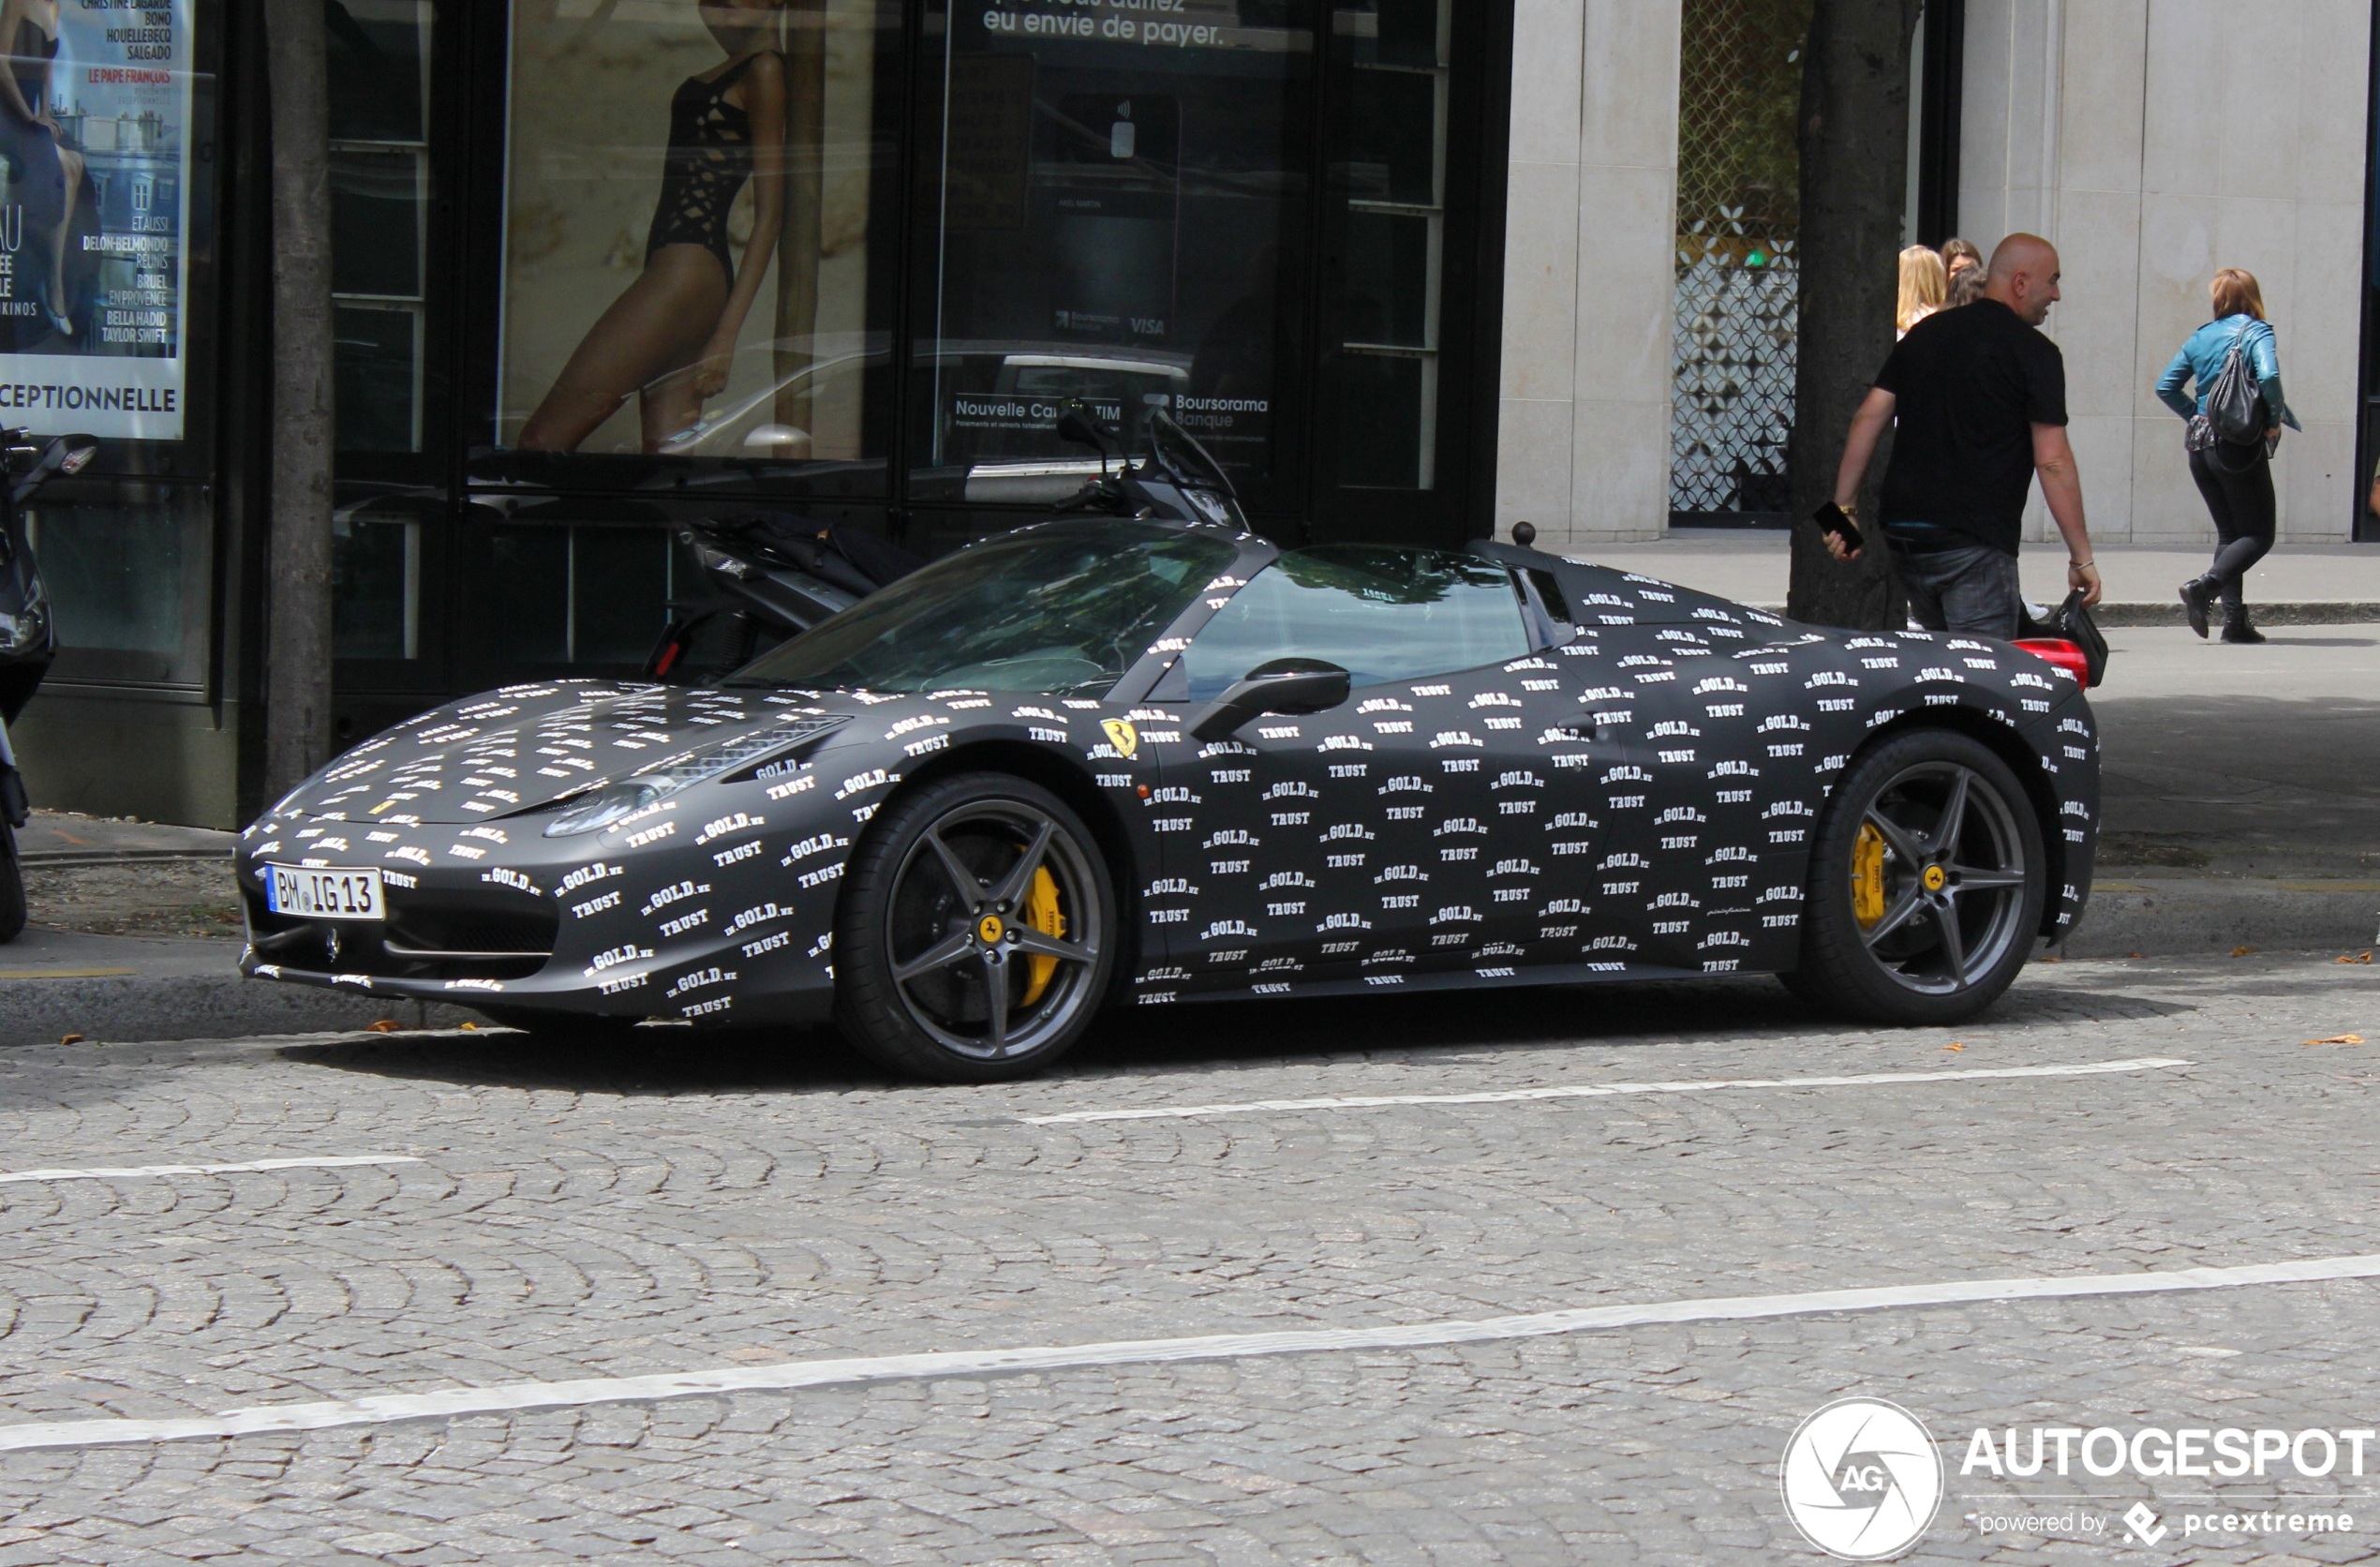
1122, 735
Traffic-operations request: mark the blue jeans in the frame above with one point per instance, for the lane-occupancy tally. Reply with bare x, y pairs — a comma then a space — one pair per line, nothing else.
1972, 589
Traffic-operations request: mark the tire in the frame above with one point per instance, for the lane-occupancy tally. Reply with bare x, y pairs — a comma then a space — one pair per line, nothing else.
12, 904
976, 935
1901, 927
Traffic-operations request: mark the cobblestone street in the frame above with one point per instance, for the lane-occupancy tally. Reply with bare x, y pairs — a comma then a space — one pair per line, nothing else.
557, 1217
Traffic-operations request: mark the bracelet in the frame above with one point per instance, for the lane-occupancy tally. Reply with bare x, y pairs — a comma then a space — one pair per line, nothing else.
2082, 565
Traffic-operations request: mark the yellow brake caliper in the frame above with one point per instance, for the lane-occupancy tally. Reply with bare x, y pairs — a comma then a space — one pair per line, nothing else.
1867, 875
1041, 913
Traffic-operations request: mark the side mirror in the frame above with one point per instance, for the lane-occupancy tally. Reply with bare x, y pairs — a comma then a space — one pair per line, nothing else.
1285, 685
1078, 427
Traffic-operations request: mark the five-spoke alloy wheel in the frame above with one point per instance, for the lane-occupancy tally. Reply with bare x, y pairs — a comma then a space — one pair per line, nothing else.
976, 933
1927, 884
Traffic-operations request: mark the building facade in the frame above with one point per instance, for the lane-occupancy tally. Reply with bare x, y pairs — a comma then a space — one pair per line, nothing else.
2152, 141
1413, 268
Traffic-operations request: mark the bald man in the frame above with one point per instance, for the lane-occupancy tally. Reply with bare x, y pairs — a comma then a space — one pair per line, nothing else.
1978, 399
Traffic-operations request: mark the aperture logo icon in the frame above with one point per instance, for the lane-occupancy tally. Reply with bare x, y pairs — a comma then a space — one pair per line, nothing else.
1862, 1479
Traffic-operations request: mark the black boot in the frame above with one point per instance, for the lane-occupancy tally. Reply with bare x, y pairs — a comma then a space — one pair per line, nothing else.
2236, 627
2197, 595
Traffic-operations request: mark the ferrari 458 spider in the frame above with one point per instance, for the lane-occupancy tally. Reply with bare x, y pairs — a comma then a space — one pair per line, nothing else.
1100, 762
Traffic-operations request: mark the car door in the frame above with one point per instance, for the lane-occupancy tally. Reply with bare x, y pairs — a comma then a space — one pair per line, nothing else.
1358, 841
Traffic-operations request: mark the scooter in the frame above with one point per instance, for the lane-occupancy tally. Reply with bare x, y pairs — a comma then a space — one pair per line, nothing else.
28, 636
1175, 480
773, 576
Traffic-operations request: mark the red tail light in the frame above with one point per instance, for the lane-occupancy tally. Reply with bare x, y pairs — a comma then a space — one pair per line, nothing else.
2064, 654
669, 659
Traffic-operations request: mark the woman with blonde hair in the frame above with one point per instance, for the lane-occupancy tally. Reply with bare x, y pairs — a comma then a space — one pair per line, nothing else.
1923, 285
2234, 477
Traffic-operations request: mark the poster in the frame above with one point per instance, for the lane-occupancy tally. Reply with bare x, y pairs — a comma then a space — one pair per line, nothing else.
688, 200
95, 166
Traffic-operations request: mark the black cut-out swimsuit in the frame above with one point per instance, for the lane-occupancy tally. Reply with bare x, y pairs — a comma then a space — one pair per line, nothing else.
30, 147
711, 157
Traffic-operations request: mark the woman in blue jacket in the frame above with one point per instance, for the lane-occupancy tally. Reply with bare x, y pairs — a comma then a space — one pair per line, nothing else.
2236, 479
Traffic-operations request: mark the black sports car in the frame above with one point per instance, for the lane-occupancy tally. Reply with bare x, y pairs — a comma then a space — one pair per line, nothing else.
1100, 761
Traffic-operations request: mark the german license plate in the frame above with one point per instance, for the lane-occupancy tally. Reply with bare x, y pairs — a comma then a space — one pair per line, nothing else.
304, 892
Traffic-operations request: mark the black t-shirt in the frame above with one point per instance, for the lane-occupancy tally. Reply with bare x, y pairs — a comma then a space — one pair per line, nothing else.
1968, 384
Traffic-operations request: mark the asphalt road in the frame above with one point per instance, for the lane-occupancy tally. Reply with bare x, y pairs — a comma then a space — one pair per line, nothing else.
566, 1222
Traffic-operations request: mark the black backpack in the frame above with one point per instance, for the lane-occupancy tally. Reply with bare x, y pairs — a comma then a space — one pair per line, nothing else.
2235, 403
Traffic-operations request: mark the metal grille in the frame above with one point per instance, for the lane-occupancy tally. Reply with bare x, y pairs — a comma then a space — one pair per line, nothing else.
1738, 214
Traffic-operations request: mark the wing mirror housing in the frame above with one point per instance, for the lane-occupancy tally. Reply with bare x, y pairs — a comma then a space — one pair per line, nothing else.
1285, 685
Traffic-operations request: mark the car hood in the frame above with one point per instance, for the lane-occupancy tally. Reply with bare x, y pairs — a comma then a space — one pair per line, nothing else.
525, 747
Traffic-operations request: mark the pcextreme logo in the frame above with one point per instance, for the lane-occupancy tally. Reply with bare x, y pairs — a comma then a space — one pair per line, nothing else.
1862, 1479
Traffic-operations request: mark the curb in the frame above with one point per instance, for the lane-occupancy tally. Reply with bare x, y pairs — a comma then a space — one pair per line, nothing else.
207, 1006
2162, 614
2169, 614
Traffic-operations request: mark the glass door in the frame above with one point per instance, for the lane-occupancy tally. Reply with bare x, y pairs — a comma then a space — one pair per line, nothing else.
1393, 182
1406, 106
388, 523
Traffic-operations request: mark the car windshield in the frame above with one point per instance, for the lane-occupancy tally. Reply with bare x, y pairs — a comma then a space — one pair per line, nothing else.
1379, 612
1053, 609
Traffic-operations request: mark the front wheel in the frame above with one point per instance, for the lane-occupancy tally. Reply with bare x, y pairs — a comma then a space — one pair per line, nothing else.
1925, 884
976, 935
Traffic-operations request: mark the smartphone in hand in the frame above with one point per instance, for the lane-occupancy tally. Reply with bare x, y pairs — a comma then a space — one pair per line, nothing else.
1832, 518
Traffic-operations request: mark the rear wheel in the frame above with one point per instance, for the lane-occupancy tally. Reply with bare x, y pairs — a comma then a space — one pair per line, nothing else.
1926, 886
977, 931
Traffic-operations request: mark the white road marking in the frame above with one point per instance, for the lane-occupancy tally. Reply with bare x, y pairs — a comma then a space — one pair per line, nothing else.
133, 1171
784, 1375
1596, 1090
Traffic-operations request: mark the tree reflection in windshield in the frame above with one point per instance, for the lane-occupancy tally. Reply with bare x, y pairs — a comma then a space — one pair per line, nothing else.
1060, 608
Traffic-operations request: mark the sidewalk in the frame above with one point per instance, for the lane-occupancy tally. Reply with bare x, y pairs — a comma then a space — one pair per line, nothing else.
114, 988
136, 935
2295, 585
66, 838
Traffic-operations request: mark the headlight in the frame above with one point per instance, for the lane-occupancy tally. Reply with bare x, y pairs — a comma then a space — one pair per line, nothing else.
719, 560
593, 812
18, 633
604, 807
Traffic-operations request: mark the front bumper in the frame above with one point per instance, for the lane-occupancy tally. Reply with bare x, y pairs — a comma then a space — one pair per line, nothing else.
493, 915
566, 994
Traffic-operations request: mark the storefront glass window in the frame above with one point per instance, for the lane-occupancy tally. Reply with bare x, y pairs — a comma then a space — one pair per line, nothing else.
128, 580
581, 595
1395, 179
380, 63
376, 587
1114, 204
693, 236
